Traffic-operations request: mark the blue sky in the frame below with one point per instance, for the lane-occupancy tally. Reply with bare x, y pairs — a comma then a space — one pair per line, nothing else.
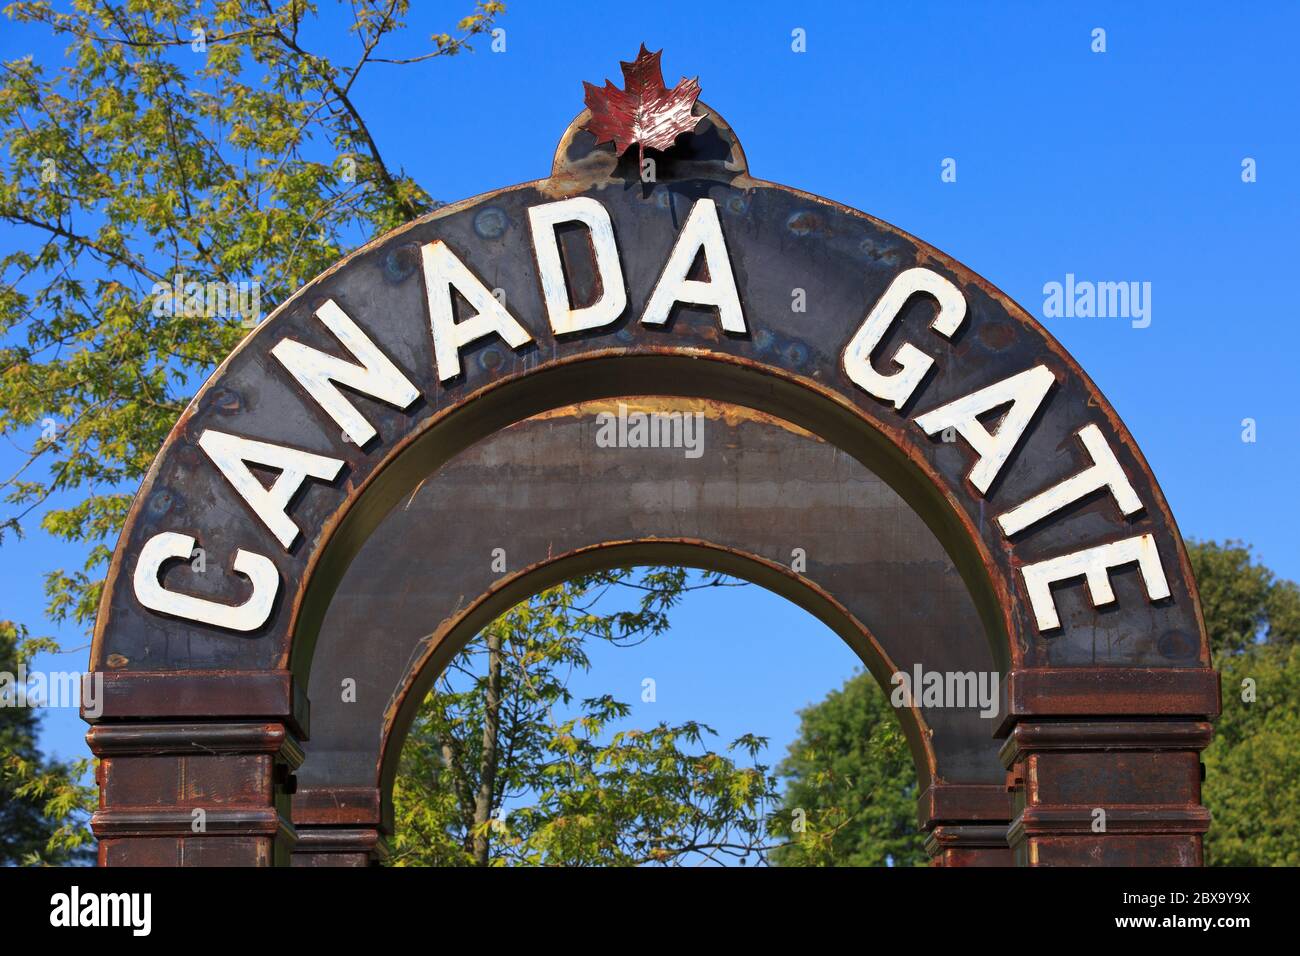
1115, 166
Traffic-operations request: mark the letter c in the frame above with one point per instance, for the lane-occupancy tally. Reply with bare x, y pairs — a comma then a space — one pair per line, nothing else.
248, 616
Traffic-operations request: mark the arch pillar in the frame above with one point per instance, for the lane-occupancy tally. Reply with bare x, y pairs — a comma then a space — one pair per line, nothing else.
339, 826
339, 846
196, 769
1120, 786
965, 824
188, 794
968, 844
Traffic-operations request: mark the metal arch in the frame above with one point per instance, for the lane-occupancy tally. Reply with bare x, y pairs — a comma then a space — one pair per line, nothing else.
1131, 657
781, 230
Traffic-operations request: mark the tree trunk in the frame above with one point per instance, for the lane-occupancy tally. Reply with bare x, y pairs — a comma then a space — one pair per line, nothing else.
488, 760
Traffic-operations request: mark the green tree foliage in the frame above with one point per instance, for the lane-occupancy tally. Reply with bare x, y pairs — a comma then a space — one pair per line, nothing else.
174, 142
850, 794
208, 142
43, 808
1252, 766
504, 767
23, 828
850, 773
1244, 603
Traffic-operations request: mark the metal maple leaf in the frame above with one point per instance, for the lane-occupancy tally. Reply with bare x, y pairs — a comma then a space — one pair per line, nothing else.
644, 112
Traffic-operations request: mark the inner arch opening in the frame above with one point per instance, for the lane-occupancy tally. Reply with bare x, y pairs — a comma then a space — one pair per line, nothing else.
546, 499
488, 762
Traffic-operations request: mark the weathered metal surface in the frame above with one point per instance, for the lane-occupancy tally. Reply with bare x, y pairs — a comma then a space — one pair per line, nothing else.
163, 786
789, 363
1094, 793
546, 492
1137, 652
968, 845
207, 693
1062, 691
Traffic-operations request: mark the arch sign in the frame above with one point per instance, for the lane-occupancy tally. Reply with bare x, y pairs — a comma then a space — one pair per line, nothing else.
649, 356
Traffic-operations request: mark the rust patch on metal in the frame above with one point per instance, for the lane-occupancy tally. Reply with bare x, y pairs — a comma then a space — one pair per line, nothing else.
726, 412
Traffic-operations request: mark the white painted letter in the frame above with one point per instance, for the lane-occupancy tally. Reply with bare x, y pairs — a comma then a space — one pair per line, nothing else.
1105, 472
442, 270
912, 362
701, 231
1025, 391
317, 372
613, 300
230, 452
1093, 564
248, 616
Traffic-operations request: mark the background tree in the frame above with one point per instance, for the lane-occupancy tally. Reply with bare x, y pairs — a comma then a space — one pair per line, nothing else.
206, 141
1252, 779
42, 807
23, 827
850, 785
849, 770
503, 766
1244, 603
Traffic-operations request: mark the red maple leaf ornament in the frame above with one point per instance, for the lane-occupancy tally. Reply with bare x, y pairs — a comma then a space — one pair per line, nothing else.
644, 112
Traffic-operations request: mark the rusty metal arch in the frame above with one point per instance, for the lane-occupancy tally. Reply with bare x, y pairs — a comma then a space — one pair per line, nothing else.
1121, 664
